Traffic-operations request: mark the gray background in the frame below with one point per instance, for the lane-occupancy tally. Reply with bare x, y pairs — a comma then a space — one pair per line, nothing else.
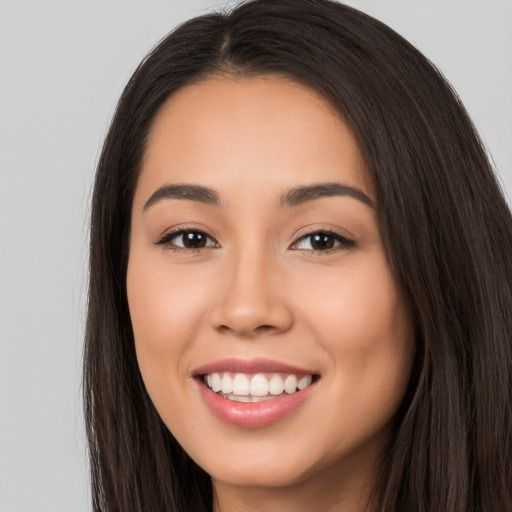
62, 68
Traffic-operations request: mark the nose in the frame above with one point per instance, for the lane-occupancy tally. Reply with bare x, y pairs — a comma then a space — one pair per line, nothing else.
252, 300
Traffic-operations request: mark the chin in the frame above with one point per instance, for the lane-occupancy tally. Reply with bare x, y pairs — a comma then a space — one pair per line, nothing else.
260, 474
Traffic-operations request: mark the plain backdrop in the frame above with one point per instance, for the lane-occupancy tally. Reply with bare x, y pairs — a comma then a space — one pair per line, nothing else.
62, 67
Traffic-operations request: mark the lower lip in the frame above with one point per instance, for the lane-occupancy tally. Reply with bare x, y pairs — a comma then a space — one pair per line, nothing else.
253, 414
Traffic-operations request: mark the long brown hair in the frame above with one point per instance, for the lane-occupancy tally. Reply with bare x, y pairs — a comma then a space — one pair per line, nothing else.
446, 228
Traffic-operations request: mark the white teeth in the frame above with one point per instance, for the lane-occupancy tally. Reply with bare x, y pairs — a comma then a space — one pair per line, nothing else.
243, 387
259, 385
241, 384
261, 398
304, 382
290, 384
239, 398
275, 385
216, 383
227, 383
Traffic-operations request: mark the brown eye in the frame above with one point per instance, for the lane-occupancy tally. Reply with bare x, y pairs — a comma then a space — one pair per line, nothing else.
187, 239
194, 239
322, 241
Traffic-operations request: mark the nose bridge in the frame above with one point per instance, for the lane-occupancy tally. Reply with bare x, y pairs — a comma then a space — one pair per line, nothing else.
251, 302
251, 279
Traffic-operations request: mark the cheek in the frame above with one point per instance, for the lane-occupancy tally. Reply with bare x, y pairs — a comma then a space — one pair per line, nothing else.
164, 310
361, 323
355, 308
163, 301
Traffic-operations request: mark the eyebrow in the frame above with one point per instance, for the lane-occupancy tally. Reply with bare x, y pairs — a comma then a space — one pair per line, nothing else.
293, 197
299, 195
179, 191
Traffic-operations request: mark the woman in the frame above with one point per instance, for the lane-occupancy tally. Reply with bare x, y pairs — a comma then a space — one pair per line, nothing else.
300, 291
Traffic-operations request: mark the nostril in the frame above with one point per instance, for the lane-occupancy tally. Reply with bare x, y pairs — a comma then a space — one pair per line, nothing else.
261, 329
265, 328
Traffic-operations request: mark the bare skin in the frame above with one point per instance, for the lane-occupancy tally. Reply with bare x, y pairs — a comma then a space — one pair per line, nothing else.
252, 269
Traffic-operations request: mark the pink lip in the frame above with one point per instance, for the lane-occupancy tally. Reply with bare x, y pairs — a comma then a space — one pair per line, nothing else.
251, 415
259, 365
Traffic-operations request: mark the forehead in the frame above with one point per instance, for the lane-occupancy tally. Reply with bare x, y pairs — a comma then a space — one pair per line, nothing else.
250, 132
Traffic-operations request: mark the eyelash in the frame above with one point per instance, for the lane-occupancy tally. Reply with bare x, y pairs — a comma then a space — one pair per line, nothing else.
166, 240
340, 242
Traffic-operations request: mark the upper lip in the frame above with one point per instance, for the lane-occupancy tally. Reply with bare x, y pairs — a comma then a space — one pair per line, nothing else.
259, 365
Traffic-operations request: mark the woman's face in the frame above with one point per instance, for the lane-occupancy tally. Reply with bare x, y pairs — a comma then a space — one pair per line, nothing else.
256, 265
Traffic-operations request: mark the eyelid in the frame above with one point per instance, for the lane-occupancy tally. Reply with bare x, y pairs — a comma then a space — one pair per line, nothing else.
344, 241
169, 234
320, 227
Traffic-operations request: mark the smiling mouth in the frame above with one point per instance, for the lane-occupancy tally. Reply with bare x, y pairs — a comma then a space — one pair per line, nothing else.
256, 387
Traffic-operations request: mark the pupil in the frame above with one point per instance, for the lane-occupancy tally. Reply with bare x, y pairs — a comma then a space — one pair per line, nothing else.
193, 240
322, 241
